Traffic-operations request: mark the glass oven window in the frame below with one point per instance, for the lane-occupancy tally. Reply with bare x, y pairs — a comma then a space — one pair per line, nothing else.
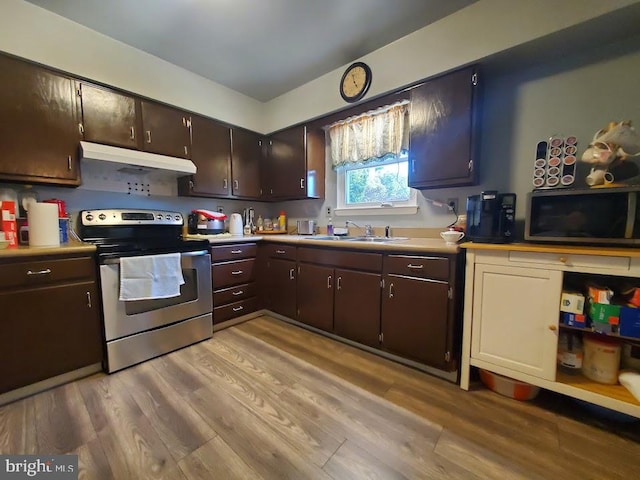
188, 293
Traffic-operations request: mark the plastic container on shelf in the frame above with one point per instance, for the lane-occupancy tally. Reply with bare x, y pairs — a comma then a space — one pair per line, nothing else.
601, 361
570, 354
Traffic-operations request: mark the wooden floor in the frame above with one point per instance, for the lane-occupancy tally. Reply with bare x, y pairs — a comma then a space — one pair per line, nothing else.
269, 400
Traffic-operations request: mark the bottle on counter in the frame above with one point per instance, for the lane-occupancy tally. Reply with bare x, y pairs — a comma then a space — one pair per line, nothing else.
282, 221
260, 223
329, 227
276, 223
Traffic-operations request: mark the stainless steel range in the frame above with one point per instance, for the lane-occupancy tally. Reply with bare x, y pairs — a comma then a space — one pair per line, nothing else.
137, 330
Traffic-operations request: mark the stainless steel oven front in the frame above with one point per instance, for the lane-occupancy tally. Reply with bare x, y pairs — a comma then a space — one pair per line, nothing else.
139, 330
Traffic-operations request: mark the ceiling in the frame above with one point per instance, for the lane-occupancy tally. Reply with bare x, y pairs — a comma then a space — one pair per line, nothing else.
261, 48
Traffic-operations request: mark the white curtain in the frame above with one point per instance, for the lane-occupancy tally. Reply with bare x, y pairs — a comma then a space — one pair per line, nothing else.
370, 136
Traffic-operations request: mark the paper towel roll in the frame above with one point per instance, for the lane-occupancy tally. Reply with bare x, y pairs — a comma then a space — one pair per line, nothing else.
44, 230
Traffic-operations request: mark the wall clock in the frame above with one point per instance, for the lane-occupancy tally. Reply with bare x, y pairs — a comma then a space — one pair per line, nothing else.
355, 82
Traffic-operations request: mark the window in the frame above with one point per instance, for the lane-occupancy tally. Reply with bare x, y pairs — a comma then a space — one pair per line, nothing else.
369, 153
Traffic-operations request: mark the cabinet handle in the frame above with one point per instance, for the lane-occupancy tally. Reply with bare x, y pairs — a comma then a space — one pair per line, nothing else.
69, 161
46, 271
339, 283
237, 272
184, 122
224, 183
236, 184
236, 252
186, 151
237, 309
291, 274
329, 281
415, 267
132, 133
563, 259
281, 252
553, 328
89, 299
80, 129
302, 183
239, 292
148, 136
391, 290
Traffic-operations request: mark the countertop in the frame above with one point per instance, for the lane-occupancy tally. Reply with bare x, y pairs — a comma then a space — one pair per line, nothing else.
65, 248
554, 248
436, 245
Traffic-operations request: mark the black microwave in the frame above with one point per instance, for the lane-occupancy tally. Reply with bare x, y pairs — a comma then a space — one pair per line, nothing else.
603, 216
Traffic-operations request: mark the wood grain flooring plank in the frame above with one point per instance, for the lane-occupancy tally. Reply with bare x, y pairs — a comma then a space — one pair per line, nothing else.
179, 426
216, 460
63, 420
179, 374
296, 430
252, 439
130, 442
18, 428
92, 462
353, 463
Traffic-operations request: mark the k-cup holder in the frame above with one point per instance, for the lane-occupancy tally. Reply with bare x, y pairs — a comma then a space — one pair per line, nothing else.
554, 163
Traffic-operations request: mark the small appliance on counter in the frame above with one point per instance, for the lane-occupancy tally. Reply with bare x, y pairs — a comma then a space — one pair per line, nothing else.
306, 227
491, 217
206, 222
235, 224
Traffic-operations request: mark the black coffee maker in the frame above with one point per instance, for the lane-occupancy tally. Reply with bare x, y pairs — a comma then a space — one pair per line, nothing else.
491, 217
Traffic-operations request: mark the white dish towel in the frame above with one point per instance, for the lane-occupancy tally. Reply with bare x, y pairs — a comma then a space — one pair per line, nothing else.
150, 277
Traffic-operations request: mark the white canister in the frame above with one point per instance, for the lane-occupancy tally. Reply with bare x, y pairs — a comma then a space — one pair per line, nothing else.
44, 229
601, 362
235, 224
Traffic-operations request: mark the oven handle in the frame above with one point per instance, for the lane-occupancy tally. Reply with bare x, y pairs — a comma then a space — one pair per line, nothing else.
198, 253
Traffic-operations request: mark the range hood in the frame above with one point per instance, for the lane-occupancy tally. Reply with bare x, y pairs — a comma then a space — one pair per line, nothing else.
134, 161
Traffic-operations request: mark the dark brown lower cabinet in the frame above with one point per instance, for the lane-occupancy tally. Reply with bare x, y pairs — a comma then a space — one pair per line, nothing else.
357, 306
48, 331
281, 287
415, 319
315, 296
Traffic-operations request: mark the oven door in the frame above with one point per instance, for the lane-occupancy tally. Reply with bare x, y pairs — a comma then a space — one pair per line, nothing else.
127, 318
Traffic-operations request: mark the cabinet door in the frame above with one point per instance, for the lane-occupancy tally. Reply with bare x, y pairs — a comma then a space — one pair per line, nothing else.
415, 319
287, 163
357, 306
109, 117
281, 288
47, 332
515, 318
166, 130
246, 156
315, 296
39, 132
441, 129
211, 152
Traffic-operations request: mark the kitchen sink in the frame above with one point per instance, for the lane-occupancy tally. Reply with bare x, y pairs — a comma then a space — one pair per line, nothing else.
376, 239
325, 237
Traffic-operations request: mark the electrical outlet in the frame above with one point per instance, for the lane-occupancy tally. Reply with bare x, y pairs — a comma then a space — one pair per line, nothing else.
328, 211
453, 203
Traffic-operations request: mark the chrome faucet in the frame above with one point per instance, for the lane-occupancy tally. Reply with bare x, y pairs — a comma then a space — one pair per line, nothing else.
368, 229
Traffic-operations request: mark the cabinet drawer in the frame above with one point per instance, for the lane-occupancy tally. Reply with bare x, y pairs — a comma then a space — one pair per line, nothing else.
233, 252
233, 310
234, 294
42, 272
232, 273
277, 250
571, 260
417, 266
371, 262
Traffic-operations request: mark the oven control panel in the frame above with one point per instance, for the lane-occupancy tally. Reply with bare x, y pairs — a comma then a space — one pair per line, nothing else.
117, 217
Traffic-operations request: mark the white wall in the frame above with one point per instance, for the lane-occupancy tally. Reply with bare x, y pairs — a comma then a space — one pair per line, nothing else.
478, 31
34, 33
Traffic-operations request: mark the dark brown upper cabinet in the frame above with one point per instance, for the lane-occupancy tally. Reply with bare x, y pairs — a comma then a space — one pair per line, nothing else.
246, 159
441, 137
39, 125
295, 164
166, 130
211, 153
109, 117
